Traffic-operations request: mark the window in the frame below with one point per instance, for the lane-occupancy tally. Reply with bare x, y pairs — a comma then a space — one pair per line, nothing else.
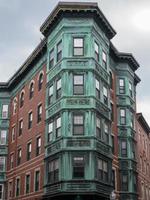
3, 135
121, 86
11, 161
20, 127
38, 146
50, 131
4, 111
122, 116
37, 181
58, 127
98, 127
14, 106
58, 88
134, 182
21, 99
1, 191
102, 170
51, 58
10, 189
27, 183
53, 171
40, 82
13, 134
106, 133
105, 95
123, 148
31, 90
97, 89
111, 80
78, 124
30, 119
39, 113
17, 187
132, 120
29, 146
78, 167
19, 156
112, 112
104, 58
78, 84
113, 144
59, 51
78, 47
96, 47
124, 182
2, 163
113, 178
130, 89
50, 95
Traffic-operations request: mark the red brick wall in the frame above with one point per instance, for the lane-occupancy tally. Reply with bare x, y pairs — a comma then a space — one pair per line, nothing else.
36, 162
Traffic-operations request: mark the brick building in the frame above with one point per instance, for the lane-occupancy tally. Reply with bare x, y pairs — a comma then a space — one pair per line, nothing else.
143, 156
72, 109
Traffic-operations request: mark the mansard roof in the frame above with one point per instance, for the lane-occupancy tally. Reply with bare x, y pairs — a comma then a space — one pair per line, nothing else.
77, 9
143, 122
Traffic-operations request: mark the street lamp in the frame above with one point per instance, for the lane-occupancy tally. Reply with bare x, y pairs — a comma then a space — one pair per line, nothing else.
112, 195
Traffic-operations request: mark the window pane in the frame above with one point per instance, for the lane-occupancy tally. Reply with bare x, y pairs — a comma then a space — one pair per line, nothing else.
78, 42
96, 47
50, 127
104, 56
105, 91
97, 85
78, 119
98, 122
51, 90
59, 46
59, 84
121, 82
122, 112
78, 89
100, 164
78, 79
58, 122
78, 51
3, 134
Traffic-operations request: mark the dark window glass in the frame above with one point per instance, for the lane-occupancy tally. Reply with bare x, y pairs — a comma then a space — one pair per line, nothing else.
78, 124
124, 182
39, 113
30, 119
78, 85
97, 88
59, 51
78, 167
21, 99
78, 47
37, 181
20, 127
58, 89
105, 95
38, 146
121, 86
111, 80
27, 184
17, 187
50, 95
53, 171
96, 47
98, 127
51, 58
1, 191
106, 133
58, 127
31, 90
50, 131
40, 83
112, 112
123, 148
29, 151
122, 116
19, 156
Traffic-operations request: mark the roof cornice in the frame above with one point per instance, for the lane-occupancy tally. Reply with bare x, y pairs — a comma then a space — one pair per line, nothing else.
124, 57
143, 122
75, 9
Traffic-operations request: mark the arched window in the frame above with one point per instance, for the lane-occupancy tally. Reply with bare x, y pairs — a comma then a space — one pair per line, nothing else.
31, 90
21, 99
40, 83
14, 106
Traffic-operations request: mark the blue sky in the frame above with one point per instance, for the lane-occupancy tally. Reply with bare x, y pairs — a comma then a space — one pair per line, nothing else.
19, 34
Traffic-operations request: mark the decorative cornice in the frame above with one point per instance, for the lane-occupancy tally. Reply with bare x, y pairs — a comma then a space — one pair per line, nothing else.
143, 122
76, 9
